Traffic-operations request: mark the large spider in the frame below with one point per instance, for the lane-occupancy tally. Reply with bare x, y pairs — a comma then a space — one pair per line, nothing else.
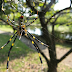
21, 31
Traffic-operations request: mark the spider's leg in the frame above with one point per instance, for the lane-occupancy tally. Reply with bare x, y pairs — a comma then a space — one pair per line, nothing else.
33, 20
38, 40
8, 41
37, 48
20, 35
20, 32
8, 20
29, 16
11, 23
9, 51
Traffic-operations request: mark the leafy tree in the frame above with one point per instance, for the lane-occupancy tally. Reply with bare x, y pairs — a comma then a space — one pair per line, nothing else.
46, 14
50, 40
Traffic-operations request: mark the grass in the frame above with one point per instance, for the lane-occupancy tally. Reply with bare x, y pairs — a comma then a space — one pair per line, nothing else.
22, 58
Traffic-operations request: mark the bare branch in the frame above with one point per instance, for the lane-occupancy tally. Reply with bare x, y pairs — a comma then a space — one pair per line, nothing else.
55, 19
58, 17
44, 3
58, 61
56, 14
32, 7
48, 6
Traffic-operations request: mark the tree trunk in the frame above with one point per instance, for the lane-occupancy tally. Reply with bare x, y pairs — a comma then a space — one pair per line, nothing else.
52, 66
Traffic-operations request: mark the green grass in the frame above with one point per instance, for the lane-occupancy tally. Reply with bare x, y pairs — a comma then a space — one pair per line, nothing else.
22, 58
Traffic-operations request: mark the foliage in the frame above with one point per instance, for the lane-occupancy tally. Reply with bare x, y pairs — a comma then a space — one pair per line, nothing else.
47, 15
64, 19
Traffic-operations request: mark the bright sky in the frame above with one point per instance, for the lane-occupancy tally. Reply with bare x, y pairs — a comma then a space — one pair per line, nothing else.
62, 4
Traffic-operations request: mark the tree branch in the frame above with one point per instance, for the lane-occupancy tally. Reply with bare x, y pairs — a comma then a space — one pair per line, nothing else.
59, 60
56, 14
44, 3
48, 6
58, 17
0, 5
32, 7
53, 23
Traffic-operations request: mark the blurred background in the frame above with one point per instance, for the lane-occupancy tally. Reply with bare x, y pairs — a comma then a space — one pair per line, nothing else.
53, 27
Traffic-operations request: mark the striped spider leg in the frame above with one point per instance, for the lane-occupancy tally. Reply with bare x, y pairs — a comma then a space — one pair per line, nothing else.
37, 48
21, 26
10, 47
38, 40
33, 20
8, 41
10, 25
8, 20
21, 30
24, 32
9, 52
30, 15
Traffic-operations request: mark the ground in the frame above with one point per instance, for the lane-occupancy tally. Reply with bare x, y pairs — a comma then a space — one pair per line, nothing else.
60, 51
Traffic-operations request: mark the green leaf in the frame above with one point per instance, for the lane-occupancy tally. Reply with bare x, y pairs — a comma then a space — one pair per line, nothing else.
5, 1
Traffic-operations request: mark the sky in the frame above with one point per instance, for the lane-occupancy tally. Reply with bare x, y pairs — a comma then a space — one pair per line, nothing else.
62, 4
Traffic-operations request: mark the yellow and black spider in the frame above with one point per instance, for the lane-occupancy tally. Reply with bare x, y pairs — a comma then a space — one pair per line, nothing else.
21, 31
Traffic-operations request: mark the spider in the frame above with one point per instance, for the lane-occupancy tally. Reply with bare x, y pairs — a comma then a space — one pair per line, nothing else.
21, 31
